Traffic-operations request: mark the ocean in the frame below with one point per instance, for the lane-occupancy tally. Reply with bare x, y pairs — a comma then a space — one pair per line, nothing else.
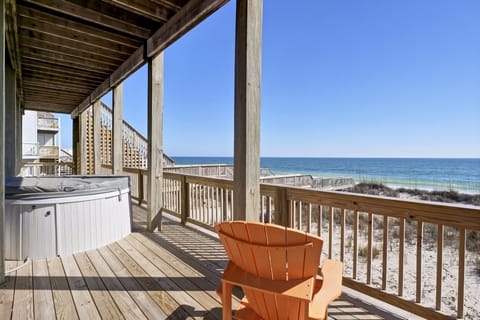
462, 175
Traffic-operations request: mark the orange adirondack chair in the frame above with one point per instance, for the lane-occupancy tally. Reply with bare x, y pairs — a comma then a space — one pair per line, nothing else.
277, 270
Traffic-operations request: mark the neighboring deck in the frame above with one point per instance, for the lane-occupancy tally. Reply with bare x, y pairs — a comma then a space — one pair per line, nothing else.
167, 275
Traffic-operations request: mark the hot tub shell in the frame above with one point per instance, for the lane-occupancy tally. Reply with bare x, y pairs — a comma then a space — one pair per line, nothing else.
57, 216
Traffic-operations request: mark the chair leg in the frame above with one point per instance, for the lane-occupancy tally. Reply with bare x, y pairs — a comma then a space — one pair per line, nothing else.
226, 300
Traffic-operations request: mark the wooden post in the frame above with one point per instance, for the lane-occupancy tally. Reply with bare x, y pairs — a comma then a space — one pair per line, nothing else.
185, 199
97, 136
10, 121
248, 54
2, 138
155, 142
141, 192
82, 142
75, 142
117, 128
18, 138
281, 207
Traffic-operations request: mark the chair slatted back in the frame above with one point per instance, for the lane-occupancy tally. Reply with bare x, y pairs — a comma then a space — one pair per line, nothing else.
271, 252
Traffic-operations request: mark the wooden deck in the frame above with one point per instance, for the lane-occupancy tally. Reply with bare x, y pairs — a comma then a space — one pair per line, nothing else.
167, 275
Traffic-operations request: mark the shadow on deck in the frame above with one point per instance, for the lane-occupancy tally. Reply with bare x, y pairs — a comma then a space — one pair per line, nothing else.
162, 275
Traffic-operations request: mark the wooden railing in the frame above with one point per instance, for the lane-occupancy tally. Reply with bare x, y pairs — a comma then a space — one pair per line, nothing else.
206, 170
35, 169
391, 248
412, 254
51, 152
48, 123
135, 145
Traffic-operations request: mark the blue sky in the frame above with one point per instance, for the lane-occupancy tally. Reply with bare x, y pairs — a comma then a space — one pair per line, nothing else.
339, 79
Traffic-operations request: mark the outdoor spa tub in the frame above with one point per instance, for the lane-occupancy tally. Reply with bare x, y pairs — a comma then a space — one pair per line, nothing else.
56, 216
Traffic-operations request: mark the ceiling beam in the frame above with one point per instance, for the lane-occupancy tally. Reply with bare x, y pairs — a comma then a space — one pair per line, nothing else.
91, 56
52, 85
65, 59
33, 65
147, 9
74, 44
67, 80
175, 5
45, 21
92, 16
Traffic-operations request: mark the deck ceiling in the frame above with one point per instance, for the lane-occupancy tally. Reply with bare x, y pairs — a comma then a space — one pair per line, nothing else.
71, 52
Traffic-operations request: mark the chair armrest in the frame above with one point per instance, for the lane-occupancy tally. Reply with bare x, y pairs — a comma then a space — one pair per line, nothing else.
332, 273
299, 288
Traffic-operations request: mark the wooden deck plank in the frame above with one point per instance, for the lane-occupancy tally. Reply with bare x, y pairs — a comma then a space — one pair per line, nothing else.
125, 303
7, 290
171, 308
101, 297
165, 247
182, 275
195, 246
81, 296
144, 301
184, 298
23, 297
62, 297
42, 291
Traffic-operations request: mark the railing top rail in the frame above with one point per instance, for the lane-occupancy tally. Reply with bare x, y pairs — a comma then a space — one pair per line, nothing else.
201, 166
125, 123
459, 215
433, 212
200, 179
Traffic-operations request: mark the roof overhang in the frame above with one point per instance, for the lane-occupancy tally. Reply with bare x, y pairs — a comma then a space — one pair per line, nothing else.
69, 53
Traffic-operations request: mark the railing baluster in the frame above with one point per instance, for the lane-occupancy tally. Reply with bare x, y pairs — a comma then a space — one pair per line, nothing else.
299, 215
224, 204
384, 252
461, 271
330, 231
401, 249
320, 219
342, 235
355, 244
369, 248
309, 218
418, 295
438, 298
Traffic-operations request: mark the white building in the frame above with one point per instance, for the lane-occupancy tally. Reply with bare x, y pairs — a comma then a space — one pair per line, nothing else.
40, 137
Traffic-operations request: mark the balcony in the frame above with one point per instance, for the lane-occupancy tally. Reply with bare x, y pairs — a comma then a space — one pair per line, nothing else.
30, 149
48, 124
411, 254
163, 275
48, 152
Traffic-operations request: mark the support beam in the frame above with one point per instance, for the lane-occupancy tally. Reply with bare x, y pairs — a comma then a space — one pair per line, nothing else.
82, 143
97, 136
194, 12
75, 144
2, 138
155, 142
248, 61
117, 125
19, 136
10, 121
